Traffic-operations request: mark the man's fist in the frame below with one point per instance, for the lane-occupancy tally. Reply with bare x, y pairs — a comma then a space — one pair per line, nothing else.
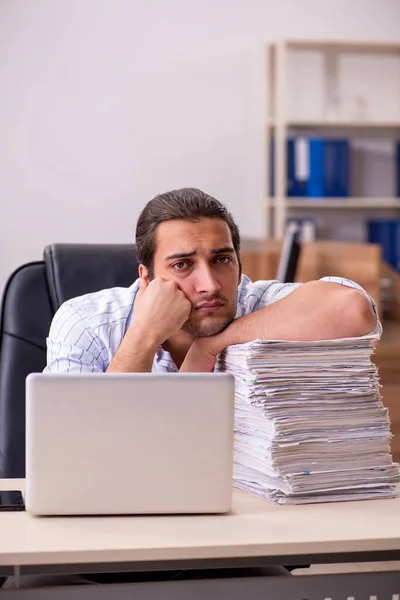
161, 309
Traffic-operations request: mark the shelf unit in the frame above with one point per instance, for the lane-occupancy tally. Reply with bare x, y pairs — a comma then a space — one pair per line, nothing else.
280, 125
343, 203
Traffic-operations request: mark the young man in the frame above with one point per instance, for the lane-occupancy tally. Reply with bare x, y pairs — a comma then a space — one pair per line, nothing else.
192, 300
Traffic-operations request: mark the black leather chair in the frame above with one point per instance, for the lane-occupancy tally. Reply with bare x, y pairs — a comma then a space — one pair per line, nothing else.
32, 295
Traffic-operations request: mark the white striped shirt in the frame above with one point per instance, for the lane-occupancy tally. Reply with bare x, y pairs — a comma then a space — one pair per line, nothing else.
86, 332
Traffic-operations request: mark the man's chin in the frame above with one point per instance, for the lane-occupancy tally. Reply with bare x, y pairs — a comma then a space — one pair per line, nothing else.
206, 329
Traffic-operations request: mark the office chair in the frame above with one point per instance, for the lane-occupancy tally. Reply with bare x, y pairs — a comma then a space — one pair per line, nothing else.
31, 296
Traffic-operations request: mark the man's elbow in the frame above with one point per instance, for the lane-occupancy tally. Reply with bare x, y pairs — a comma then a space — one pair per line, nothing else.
360, 313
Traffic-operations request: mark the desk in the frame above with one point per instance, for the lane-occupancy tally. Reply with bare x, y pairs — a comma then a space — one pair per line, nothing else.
254, 533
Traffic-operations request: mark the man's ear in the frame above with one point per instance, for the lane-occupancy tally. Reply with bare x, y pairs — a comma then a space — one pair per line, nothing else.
143, 273
240, 269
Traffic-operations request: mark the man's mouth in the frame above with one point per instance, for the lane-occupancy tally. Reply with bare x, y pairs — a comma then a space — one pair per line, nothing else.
209, 307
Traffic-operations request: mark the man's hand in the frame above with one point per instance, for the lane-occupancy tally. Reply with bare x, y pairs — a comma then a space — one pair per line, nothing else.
161, 309
201, 356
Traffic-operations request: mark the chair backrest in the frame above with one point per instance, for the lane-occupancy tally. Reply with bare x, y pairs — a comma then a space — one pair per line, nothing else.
290, 254
31, 296
76, 269
26, 315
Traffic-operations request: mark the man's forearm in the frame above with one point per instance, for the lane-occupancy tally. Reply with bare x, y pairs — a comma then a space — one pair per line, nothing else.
135, 354
317, 310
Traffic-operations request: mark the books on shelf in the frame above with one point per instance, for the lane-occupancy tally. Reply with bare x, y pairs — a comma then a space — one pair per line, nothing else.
316, 167
310, 425
329, 168
298, 167
387, 234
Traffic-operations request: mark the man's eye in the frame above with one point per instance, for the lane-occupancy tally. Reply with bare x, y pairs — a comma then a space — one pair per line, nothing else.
223, 259
180, 265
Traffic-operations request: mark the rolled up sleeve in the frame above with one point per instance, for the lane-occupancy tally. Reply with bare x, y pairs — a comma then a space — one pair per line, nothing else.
352, 284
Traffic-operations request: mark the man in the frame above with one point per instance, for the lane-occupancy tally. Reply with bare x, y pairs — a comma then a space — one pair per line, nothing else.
192, 300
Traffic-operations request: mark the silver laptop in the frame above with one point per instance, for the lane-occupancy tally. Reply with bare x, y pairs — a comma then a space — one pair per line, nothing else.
136, 443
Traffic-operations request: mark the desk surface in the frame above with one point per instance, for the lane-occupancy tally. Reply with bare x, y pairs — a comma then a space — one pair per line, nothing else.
254, 528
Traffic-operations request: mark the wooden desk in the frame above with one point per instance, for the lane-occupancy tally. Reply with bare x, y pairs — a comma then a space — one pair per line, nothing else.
254, 533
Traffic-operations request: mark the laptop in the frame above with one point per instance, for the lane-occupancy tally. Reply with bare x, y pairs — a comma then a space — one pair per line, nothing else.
129, 443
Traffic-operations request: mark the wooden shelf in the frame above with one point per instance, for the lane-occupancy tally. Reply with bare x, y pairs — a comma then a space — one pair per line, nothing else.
375, 47
324, 124
342, 203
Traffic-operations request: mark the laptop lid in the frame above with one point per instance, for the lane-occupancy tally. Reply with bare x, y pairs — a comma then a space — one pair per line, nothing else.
131, 443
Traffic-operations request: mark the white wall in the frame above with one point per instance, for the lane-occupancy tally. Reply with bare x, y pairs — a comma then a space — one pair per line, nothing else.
105, 103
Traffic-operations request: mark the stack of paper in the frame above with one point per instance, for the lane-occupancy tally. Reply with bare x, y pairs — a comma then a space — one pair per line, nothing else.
310, 425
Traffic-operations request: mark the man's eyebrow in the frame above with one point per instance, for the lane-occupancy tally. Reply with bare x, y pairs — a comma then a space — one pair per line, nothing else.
180, 255
226, 249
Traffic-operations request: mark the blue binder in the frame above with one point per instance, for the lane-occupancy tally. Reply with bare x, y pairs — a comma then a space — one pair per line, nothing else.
387, 234
342, 168
330, 175
395, 245
329, 168
295, 187
315, 183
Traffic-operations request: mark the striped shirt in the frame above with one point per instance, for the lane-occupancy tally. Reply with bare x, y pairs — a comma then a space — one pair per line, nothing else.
86, 332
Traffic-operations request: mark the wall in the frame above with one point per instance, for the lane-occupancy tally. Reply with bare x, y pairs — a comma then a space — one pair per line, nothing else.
105, 103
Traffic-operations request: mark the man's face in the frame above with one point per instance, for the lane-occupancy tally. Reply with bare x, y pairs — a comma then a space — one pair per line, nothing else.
200, 258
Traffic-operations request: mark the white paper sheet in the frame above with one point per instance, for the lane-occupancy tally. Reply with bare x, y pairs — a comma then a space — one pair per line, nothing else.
310, 425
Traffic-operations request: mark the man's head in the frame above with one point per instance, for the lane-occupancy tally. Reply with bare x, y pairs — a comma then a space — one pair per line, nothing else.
189, 237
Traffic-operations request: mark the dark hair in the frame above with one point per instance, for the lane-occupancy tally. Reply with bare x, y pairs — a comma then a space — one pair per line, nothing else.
189, 204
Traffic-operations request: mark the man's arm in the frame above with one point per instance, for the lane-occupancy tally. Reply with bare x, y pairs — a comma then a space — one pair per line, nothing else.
78, 348
77, 343
136, 352
72, 345
317, 310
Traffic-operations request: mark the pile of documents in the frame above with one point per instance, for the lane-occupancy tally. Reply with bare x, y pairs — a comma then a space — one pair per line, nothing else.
310, 425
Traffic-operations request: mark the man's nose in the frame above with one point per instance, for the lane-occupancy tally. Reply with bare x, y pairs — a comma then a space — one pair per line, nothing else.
206, 282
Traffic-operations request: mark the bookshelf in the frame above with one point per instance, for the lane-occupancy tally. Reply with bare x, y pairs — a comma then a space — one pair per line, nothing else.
381, 119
